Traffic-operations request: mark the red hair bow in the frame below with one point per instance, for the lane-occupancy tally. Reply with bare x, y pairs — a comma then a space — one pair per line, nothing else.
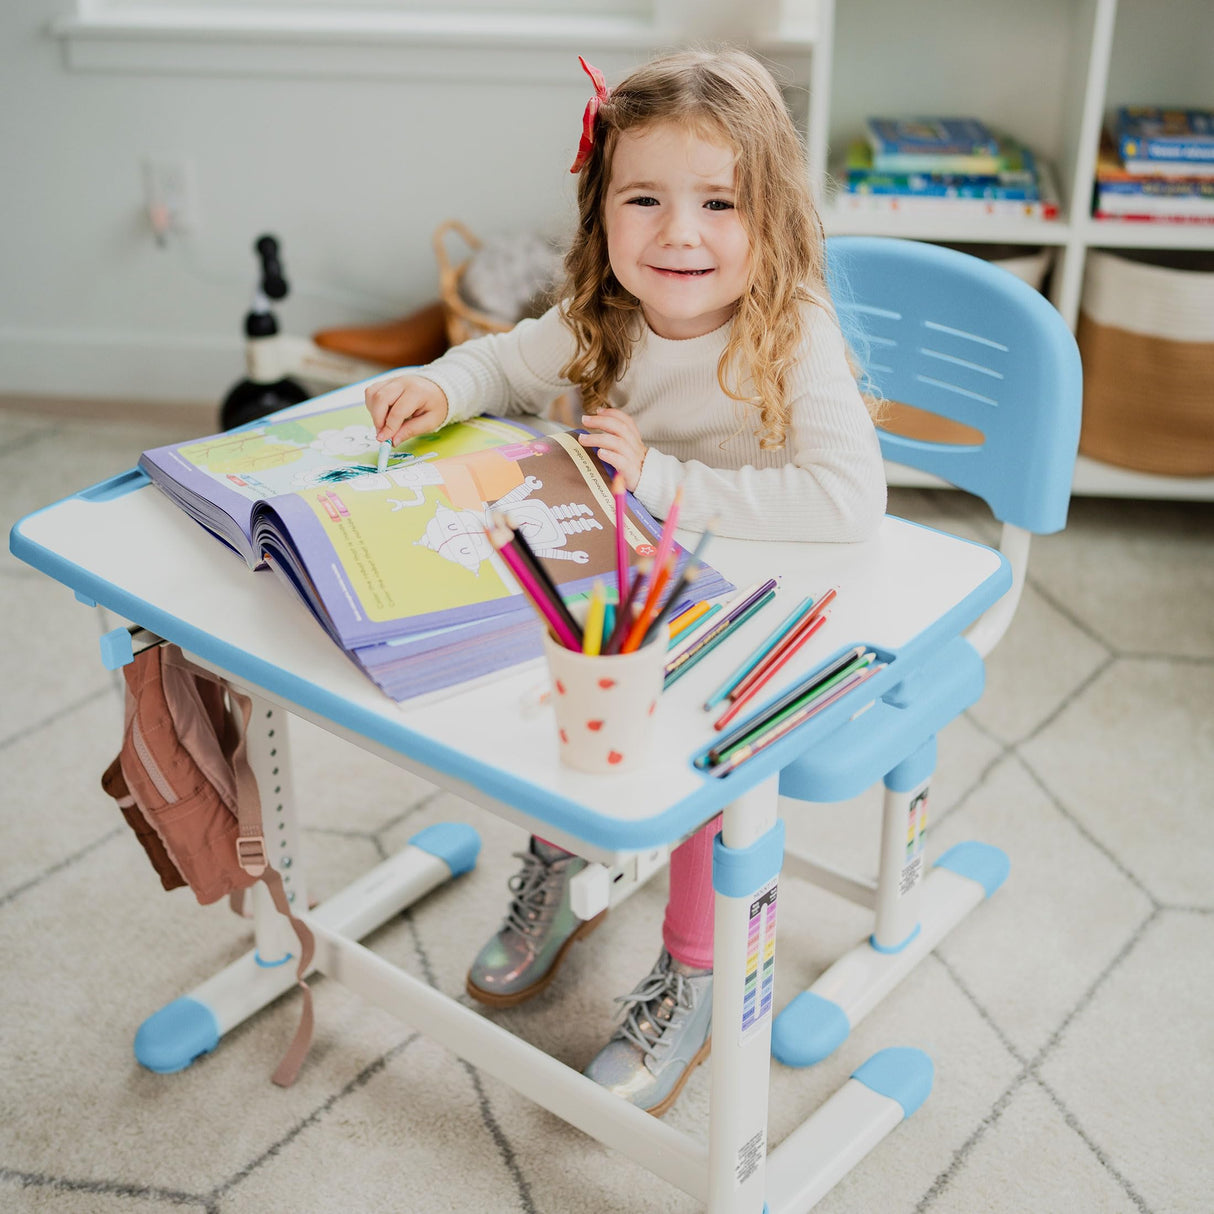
601, 93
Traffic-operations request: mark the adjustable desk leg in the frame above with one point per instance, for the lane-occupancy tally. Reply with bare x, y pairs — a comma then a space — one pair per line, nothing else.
170, 1039
746, 862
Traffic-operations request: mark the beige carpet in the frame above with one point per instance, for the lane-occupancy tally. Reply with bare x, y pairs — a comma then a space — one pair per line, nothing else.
1069, 1017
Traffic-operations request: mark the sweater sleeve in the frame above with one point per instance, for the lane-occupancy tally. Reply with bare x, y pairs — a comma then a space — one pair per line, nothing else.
514, 372
831, 489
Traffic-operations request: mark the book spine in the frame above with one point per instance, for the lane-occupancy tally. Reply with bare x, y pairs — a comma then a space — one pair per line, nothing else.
1114, 217
1154, 187
925, 187
1198, 150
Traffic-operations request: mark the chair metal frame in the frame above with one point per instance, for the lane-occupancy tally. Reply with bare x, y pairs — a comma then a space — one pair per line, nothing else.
950, 334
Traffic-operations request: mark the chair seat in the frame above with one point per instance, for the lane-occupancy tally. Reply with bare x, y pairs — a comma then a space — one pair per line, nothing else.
862, 751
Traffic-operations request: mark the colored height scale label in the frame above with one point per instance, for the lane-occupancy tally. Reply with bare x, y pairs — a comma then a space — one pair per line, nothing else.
759, 987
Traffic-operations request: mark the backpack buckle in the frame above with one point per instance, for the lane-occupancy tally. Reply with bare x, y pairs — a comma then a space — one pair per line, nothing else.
251, 854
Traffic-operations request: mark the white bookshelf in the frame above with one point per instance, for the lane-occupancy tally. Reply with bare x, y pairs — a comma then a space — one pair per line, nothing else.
1051, 72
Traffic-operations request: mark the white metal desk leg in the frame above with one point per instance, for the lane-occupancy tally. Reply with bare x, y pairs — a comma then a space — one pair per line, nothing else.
746, 863
270, 759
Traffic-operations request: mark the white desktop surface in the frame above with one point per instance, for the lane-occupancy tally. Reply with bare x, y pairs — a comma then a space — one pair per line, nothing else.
906, 591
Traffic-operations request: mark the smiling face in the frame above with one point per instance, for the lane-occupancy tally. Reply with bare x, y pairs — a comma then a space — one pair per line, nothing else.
674, 237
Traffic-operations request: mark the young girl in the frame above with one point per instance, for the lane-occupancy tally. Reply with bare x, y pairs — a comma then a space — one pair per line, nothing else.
697, 325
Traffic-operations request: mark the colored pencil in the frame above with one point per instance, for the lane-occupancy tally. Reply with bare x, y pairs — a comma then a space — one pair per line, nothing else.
592, 634
761, 742
695, 629
775, 658
505, 541
623, 613
737, 703
666, 540
691, 571
541, 576
651, 607
621, 541
793, 699
687, 617
726, 628
773, 639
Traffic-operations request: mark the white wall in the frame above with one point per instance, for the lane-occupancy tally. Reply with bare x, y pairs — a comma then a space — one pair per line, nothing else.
352, 174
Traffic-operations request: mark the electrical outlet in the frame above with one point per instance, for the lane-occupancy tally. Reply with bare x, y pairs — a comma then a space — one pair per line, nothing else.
169, 196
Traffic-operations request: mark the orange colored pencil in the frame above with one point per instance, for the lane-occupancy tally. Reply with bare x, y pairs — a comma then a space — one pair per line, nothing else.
653, 604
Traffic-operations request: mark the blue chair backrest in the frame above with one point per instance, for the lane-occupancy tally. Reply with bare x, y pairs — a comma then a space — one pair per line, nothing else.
951, 334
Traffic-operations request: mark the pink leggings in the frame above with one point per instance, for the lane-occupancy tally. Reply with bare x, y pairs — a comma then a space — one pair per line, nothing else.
687, 931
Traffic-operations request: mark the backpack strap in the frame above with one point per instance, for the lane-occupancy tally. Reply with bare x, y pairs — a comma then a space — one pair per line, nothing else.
251, 855
251, 852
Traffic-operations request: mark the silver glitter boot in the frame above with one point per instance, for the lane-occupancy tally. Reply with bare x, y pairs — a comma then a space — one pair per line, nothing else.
524, 955
665, 1034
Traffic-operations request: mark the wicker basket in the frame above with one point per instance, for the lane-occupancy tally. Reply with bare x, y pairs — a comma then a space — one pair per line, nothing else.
463, 321
1146, 333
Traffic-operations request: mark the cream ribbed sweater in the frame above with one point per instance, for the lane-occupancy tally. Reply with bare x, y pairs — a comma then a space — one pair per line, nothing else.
826, 483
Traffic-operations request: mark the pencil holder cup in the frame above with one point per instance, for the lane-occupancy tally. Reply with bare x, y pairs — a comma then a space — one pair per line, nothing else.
604, 706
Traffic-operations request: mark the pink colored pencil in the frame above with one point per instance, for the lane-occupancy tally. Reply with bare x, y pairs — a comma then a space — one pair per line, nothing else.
666, 542
621, 543
502, 539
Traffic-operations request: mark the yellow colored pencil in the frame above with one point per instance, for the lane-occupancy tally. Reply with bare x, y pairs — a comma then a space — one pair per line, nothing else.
592, 636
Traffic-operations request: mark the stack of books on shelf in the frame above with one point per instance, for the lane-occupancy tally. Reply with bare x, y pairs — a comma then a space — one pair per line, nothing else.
1157, 167
955, 167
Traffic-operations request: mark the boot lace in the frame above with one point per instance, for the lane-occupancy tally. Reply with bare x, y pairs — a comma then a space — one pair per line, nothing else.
531, 908
649, 1008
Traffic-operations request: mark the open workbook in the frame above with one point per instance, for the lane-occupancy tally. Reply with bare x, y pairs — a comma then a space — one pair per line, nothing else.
396, 565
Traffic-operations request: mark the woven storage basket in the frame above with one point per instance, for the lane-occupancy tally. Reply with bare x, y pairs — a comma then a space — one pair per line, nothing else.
1146, 333
463, 320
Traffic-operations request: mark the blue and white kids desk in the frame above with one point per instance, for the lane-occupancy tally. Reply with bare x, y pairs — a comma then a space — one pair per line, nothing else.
906, 592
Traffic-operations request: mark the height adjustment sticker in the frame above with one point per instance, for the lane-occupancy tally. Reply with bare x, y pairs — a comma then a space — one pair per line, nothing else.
760, 961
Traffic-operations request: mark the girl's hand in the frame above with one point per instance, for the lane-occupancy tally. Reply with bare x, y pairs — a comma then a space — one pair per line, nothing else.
618, 440
405, 407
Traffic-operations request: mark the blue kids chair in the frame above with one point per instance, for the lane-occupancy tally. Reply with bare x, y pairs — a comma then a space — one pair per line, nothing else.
943, 332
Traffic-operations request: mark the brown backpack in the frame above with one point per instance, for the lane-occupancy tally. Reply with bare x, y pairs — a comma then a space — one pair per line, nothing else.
184, 785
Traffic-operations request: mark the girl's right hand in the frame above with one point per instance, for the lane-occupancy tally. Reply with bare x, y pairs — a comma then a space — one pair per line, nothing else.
405, 407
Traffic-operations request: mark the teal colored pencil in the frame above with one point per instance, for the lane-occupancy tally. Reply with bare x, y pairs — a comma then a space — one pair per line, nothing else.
755, 658
709, 646
608, 623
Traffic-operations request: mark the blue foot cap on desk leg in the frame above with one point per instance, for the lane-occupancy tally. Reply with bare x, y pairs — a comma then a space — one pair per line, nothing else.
902, 1074
809, 1029
170, 1039
455, 843
979, 862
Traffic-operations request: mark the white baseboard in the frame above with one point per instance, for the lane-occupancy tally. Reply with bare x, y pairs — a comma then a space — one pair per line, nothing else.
118, 366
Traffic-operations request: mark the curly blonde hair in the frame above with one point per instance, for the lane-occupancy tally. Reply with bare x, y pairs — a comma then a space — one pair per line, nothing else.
729, 98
